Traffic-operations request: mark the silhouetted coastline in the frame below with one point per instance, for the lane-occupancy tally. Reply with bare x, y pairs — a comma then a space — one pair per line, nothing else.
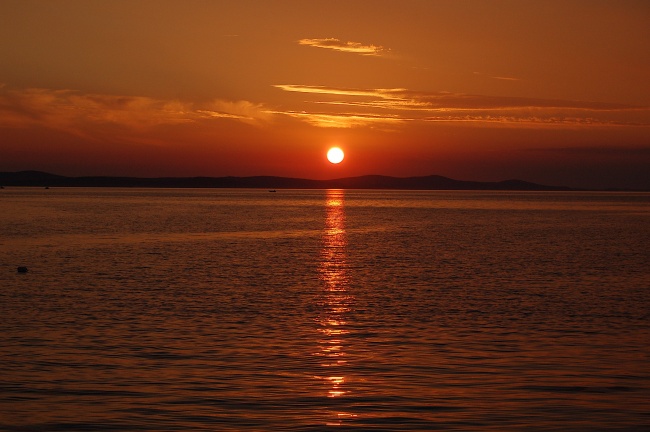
432, 182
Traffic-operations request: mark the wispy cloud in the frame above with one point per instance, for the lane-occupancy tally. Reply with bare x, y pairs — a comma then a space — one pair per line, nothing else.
503, 78
601, 151
343, 120
245, 111
381, 93
339, 45
392, 105
82, 113
499, 77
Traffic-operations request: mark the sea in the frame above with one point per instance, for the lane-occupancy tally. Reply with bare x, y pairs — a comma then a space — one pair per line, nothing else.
323, 310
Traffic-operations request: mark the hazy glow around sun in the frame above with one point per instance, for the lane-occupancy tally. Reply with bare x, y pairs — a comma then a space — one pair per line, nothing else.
335, 155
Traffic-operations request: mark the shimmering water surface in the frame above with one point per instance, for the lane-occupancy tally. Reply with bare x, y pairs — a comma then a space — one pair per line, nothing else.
316, 310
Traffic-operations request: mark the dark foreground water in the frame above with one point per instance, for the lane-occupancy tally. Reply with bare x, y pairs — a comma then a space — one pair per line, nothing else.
246, 310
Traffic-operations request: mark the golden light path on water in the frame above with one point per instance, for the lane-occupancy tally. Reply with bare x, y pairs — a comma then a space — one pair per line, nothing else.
337, 300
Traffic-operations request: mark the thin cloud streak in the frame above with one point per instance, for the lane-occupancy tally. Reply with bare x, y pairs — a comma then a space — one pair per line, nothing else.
246, 111
351, 47
405, 98
498, 77
458, 107
381, 93
351, 120
342, 120
613, 151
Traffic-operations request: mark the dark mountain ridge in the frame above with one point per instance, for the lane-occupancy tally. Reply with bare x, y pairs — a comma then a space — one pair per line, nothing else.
432, 182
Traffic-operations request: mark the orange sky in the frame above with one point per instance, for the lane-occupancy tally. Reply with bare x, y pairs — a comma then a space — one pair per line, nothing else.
556, 92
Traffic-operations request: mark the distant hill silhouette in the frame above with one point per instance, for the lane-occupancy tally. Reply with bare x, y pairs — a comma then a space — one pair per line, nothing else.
432, 182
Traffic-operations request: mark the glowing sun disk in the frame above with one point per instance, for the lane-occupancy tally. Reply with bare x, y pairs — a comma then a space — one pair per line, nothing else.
335, 155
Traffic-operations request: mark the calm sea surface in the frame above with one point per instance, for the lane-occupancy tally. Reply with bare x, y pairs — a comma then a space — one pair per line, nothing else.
208, 310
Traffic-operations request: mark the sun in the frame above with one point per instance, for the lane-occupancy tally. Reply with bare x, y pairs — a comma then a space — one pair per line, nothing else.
335, 155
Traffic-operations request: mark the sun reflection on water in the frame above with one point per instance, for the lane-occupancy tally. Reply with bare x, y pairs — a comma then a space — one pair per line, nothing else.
336, 300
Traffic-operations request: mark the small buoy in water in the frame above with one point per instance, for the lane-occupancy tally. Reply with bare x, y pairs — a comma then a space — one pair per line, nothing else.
22, 269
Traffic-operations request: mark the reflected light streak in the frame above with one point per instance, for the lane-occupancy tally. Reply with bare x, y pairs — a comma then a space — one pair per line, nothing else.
336, 301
